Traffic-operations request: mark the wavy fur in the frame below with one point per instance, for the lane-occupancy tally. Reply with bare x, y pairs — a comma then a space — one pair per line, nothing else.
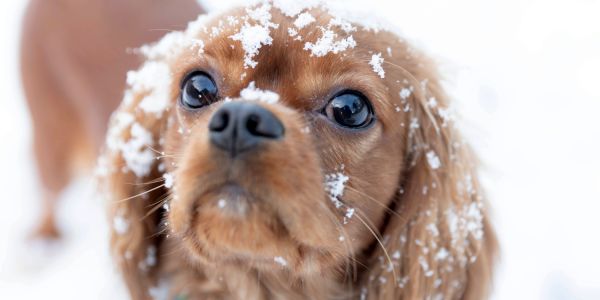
419, 228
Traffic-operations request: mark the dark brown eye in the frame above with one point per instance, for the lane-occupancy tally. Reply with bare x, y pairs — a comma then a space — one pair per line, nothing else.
198, 90
350, 109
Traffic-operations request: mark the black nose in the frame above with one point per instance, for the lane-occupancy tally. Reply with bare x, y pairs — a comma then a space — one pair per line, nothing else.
240, 126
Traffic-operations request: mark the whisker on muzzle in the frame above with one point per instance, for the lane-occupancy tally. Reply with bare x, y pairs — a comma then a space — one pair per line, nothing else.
377, 237
345, 238
153, 181
387, 208
140, 194
163, 154
158, 204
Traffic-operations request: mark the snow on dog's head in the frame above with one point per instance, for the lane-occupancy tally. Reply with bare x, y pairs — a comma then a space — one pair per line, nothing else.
279, 130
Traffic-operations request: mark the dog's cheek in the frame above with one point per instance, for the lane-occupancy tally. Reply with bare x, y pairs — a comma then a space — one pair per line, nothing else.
307, 211
374, 170
187, 174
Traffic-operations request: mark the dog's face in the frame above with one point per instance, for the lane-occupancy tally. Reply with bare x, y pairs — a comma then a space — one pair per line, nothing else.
302, 154
301, 178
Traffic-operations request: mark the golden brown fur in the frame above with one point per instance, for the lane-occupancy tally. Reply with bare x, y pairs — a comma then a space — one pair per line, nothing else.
418, 231
74, 56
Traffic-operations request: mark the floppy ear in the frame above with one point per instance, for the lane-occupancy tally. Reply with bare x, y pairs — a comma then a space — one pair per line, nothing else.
442, 246
131, 176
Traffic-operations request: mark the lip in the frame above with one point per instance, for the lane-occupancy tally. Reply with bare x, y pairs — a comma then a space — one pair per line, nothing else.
230, 198
243, 231
223, 211
232, 189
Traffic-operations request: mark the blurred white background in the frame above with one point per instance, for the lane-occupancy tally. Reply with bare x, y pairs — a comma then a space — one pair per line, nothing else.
525, 76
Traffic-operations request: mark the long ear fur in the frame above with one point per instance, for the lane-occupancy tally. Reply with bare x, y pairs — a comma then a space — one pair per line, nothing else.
130, 175
447, 248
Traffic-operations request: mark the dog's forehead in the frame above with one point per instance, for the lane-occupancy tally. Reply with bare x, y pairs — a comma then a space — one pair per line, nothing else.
313, 51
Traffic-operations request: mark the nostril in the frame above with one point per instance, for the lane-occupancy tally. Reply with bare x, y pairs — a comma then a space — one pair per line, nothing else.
219, 122
264, 124
252, 124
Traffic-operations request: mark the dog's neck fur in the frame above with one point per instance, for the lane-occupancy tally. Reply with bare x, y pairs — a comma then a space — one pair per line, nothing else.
231, 280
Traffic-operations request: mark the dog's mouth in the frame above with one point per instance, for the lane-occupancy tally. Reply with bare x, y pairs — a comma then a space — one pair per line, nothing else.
231, 199
229, 223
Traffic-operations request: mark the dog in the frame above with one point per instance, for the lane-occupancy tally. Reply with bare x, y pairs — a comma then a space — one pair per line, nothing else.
292, 151
74, 59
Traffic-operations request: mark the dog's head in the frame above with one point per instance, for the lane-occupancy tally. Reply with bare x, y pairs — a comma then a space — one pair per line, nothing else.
293, 141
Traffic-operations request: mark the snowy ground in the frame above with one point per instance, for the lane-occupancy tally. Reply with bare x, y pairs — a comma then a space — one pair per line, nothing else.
525, 78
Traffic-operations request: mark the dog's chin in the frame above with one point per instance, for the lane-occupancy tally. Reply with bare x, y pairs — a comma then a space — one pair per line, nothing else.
230, 225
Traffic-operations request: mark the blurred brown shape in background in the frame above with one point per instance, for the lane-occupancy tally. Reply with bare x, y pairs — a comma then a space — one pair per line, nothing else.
74, 59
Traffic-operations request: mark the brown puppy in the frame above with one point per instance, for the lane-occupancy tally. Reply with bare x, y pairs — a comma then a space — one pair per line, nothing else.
283, 152
74, 59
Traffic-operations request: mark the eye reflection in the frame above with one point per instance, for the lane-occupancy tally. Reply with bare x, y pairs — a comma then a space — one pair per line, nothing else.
198, 90
350, 109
